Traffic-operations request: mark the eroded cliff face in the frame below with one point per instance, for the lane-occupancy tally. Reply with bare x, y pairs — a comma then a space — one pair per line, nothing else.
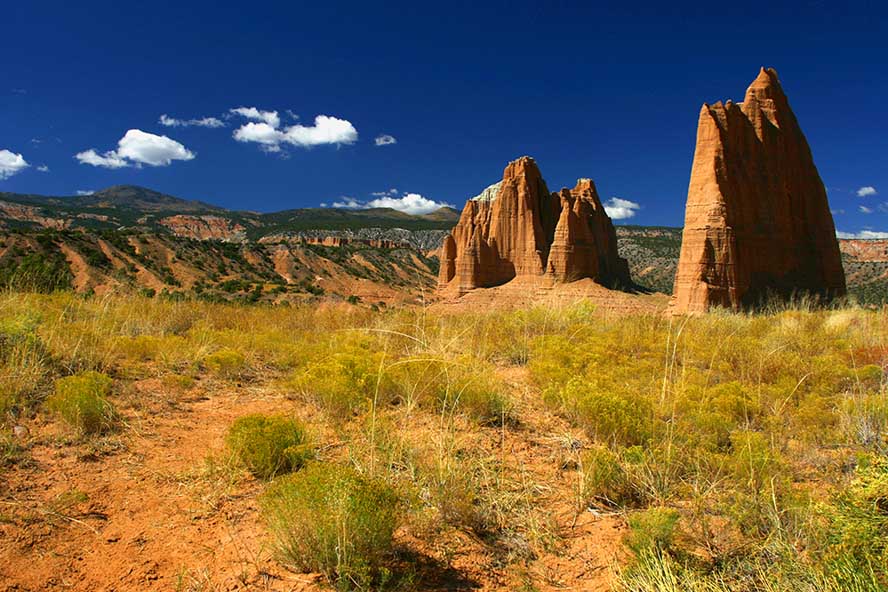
757, 221
517, 228
205, 228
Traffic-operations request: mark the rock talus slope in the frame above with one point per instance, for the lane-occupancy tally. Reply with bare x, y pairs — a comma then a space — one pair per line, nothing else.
516, 228
757, 221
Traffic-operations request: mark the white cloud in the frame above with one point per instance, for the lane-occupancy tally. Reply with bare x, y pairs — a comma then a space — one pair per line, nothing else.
168, 121
258, 132
863, 234
109, 160
326, 130
865, 210
266, 131
867, 191
270, 117
85, 192
385, 140
409, 203
620, 209
136, 148
43, 168
11, 163
346, 202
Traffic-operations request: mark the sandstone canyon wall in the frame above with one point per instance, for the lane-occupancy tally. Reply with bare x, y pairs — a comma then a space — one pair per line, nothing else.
757, 221
517, 228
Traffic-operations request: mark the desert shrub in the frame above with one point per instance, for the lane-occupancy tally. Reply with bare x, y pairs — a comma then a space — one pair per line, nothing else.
604, 480
140, 348
178, 382
226, 363
864, 419
344, 381
856, 524
460, 385
80, 400
651, 530
610, 416
475, 390
25, 365
331, 520
269, 445
759, 479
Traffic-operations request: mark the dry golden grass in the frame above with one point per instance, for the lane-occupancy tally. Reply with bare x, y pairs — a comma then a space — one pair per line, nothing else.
742, 450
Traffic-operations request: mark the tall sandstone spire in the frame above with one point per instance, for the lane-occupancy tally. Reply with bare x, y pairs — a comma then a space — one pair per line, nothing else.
516, 228
757, 222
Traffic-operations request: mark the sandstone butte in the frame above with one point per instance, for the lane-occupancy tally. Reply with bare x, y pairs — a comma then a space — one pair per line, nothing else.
757, 221
516, 228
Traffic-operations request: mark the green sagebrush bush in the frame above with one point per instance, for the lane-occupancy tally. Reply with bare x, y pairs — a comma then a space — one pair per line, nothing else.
344, 381
226, 363
80, 400
269, 445
651, 529
855, 524
608, 415
332, 520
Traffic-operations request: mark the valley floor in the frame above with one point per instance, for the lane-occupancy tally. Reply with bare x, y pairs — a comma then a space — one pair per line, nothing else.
559, 445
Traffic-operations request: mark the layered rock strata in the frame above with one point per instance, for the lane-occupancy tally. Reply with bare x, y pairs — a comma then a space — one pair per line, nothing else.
757, 221
516, 228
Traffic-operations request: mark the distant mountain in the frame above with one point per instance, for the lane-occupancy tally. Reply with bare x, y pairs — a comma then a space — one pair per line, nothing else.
130, 206
445, 214
132, 197
127, 237
142, 199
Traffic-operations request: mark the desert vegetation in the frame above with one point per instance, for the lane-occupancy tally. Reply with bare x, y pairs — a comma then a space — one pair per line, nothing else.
415, 448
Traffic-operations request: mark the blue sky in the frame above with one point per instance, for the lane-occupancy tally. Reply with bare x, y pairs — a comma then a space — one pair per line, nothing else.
589, 90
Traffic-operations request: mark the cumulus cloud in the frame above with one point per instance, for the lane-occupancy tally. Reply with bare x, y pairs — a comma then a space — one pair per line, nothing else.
326, 130
85, 192
865, 210
109, 160
11, 163
270, 117
409, 203
43, 168
385, 140
265, 129
168, 121
867, 191
137, 148
863, 234
261, 133
620, 209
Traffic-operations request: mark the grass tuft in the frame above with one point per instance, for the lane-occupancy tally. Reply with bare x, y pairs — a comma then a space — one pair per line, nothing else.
330, 519
80, 401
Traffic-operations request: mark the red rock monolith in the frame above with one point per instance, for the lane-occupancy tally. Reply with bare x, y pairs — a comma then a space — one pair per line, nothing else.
757, 221
516, 228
